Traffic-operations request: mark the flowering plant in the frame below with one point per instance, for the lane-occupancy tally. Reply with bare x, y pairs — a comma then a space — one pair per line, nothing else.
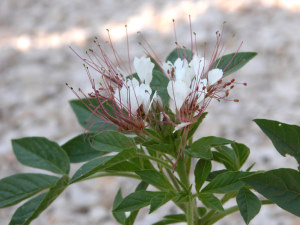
141, 126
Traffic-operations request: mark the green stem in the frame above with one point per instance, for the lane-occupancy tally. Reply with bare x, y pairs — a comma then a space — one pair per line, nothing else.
155, 159
173, 179
115, 174
190, 212
210, 220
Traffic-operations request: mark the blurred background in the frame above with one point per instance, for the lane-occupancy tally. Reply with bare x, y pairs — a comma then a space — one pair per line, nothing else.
36, 62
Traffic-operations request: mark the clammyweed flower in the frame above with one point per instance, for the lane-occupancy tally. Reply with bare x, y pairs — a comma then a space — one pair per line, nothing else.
123, 98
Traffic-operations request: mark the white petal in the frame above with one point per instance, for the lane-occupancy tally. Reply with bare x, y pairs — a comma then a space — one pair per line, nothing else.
198, 65
144, 67
172, 106
181, 125
167, 67
178, 91
181, 67
214, 76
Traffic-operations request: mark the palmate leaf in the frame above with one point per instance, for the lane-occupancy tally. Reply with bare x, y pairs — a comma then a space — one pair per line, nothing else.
35, 206
18, 187
282, 186
39, 152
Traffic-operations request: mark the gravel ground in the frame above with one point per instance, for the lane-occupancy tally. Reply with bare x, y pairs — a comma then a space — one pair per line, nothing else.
35, 63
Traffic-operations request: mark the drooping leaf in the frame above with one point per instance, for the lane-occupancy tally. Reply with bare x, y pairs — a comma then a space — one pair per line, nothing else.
181, 53
119, 216
18, 187
87, 119
154, 178
101, 163
237, 61
249, 205
79, 149
39, 152
201, 172
35, 206
211, 201
285, 137
226, 182
112, 142
282, 186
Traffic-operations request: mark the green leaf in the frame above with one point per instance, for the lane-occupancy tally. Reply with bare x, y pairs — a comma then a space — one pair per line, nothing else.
282, 186
159, 200
131, 218
155, 178
101, 163
181, 53
238, 61
87, 119
201, 172
112, 142
249, 205
79, 149
39, 152
285, 137
35, 206
226, 182
227, 157
137, 200
171, 219
159, 83
159, 147
215, 173
201, 147
211, 201
18, 187
125, 166
241, 153
119, 216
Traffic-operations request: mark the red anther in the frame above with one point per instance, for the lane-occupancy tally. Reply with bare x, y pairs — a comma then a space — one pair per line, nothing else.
203, 88
245, 84
232, 80
232, 87
220, 81
236, 100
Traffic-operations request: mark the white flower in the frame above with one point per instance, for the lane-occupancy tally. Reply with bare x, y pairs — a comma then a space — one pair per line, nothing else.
132, 95
144, 67
214, 76
178, 91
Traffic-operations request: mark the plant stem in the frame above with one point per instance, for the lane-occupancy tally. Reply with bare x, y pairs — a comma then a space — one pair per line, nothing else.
115, 174
214, 217
190, 212
173, 179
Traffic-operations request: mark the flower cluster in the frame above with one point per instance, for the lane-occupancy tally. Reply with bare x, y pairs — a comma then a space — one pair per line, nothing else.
128, 101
